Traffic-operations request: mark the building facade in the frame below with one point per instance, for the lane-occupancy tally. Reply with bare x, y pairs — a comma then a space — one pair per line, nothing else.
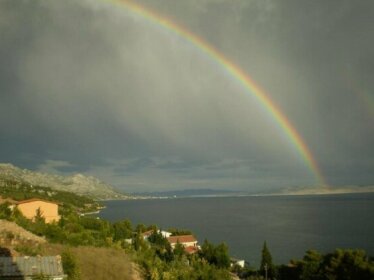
47, 209
184, 240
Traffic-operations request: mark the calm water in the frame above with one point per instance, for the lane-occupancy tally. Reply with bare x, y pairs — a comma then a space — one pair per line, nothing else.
289, 224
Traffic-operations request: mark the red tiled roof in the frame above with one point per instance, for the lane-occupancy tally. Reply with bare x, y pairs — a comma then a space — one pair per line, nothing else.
181, 239
35, 199
191, 249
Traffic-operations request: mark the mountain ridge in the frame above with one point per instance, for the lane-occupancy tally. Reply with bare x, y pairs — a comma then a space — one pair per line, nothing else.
76, 183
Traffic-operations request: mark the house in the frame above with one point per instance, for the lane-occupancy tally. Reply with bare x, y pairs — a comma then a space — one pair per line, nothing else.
192, 249
48, 209
189, 243
165, 234
184, 240
27, 268
237, 262
148, 233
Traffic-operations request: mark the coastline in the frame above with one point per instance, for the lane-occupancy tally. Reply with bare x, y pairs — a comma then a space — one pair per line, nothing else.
245, 222
317, 193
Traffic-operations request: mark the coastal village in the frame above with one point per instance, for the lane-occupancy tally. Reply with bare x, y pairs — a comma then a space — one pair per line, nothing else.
49, 233
15, 266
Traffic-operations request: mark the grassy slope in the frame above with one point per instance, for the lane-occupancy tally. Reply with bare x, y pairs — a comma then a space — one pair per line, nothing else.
94, 263
99, 263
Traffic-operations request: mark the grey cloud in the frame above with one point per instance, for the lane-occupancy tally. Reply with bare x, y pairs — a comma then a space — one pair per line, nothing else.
109, 92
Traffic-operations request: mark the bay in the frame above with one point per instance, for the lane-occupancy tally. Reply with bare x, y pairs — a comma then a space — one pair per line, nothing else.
289, 224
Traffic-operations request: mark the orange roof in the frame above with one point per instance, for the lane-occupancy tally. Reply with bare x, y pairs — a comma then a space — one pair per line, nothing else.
191, 249
182, 239
35, 199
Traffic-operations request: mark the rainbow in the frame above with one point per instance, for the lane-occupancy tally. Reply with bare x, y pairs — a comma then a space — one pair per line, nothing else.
247, 82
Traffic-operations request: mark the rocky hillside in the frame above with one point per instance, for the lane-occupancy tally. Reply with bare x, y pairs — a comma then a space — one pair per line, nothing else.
78, 183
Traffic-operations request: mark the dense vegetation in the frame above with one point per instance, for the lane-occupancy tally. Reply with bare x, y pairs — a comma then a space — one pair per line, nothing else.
155, 256
69, 201
339, 265
160, 261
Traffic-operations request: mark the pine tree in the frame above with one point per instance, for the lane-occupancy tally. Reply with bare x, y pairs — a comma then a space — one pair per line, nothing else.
267, 268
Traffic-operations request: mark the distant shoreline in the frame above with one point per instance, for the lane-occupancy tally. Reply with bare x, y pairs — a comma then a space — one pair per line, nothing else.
238, 195
290, 224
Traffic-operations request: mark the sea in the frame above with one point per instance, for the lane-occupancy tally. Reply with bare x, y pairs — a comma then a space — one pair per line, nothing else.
290, 225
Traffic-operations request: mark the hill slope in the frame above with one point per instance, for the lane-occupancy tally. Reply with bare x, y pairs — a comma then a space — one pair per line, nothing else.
78, 183
112, 264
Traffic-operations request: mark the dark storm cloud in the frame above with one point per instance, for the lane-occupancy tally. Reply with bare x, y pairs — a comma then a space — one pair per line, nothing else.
86, 86
312, 51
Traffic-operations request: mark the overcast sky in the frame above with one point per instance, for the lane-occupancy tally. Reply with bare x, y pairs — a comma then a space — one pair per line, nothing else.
90, 87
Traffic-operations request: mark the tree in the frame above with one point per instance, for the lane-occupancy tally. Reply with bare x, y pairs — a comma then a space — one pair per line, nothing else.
310, 266
39, 218
216, 255
179, 250
5, 211
176, 232
138, 241
161, 246
222, 256
70, 265
267, 268
39, 225
207, 251
347, 265
122, 230
140, 228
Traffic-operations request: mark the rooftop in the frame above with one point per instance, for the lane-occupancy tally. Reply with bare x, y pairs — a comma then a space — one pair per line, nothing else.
28, 266
35, 199
148, 233
182, 239
191, 249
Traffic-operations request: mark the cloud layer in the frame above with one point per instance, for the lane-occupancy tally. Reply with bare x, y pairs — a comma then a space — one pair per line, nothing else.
87, 86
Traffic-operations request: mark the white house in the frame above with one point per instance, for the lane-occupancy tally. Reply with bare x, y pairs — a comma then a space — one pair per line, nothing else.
165, 234
148, 233
240, 263
189, 242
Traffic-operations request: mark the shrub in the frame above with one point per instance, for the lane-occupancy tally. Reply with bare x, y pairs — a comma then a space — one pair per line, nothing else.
70, 265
